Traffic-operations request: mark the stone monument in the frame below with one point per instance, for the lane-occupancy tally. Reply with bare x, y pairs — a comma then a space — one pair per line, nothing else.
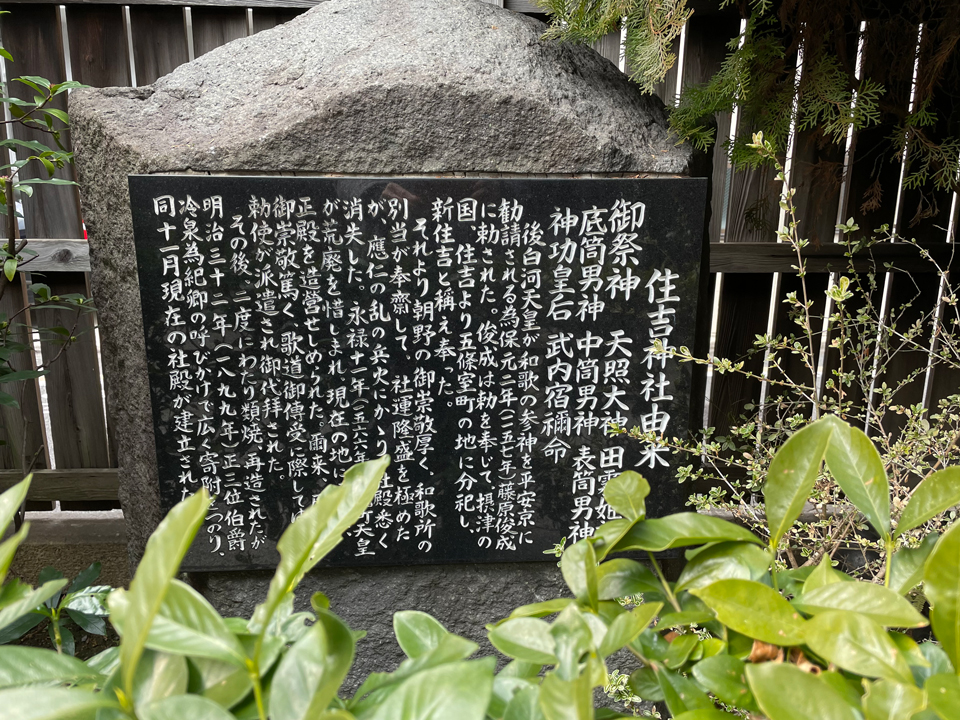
445, 88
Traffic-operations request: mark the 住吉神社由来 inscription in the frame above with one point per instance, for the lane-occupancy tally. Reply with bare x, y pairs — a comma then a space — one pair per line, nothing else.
485, 333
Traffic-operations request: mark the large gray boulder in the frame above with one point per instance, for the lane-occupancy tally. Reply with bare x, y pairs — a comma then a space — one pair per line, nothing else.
398, 87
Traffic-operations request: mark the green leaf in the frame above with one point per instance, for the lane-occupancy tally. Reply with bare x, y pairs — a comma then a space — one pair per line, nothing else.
161, 560
606, 537
725, 677
857, 644
58, 114
20, 627
85, 578
35, 82
11, 500
785, 692
627, 626
681, 694
941, 585
187, 624
943, 693
566, 699
793, 471
875, 601
644, 684
755, 610
184, 707
579, 567
93, 624
823, 574
573, 638
525, 639
310, 674
936, 494
158, 676
680, 649
417, 632
536, 610
53, 703
317, 531
886, 700
22, 375
525, 705
706, 714
20, 665
725, 560
858, 469
680, 530
460, 690
8, 549
622, 578
32, 599
10, 271
106, 661
906, 565
625, 494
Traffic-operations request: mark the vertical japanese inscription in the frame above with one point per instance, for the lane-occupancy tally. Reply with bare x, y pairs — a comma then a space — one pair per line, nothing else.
485, 333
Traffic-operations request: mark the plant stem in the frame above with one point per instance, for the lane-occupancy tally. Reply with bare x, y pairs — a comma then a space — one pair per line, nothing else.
889, 562
663, 581
254, 672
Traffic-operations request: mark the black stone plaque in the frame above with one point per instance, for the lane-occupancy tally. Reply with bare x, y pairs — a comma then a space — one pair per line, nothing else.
484, 332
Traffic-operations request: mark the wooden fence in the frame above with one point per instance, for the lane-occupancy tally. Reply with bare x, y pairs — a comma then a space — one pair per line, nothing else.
108, 44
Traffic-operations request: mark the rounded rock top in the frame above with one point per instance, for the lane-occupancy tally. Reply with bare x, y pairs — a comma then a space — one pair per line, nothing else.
398, 87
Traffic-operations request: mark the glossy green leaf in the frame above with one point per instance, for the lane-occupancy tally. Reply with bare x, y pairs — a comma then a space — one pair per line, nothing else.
606, 537
906, 568
458, 690
849, 688
10, 268
537, 610
53, 704
106, 661
681, 530
909, 648
220, 682
566, 699
311, 672
792, 473
159, 676
525, 705
936, 494
887, 700
857, 644
626, 627
505, 687
755, 610
875, 601
644, 684
941, 585
317, 531
161, 560
527, 639
28, 601
725, 560
20, 665
823, 574
8, 548
417, 632
622, 578
85, 578
11, 500
857, 467
680, 650
625, 493
93, 624
785, 692
579, 567
725, 677
573, 638
681, 694
943, 695
706, 714
184, 707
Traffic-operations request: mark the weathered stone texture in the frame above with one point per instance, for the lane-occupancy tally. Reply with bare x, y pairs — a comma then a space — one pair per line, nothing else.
403, 87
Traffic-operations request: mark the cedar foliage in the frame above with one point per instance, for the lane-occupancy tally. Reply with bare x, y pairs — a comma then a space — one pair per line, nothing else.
760, 73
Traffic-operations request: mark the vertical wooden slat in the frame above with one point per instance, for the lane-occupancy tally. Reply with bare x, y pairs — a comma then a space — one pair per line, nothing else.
21, 429
98, 45
159, 41
31, 33
213, 27
609, 47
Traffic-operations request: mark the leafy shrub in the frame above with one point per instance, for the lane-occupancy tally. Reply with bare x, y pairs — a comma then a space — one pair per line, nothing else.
732, 636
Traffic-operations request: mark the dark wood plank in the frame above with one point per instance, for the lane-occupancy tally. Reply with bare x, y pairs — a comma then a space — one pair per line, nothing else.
98, 45
52, 485
213, 27
73, 383
159, 41
264, 19
32, 35
21, 429
773, 257
609, 47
